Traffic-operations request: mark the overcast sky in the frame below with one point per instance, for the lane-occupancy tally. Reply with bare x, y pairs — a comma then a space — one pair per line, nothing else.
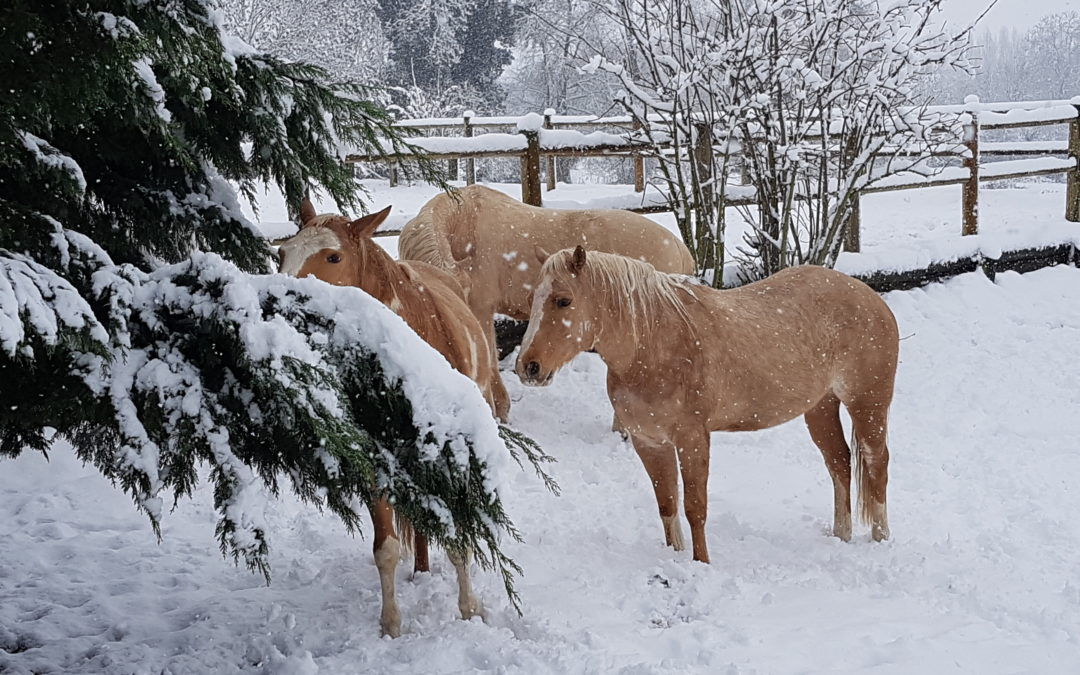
1019, 13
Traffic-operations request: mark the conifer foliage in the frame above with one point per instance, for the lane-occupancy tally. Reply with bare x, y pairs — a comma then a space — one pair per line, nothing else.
136, 318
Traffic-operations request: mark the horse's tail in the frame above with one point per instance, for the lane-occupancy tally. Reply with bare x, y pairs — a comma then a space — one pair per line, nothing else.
858, 467
406, 535
422, 239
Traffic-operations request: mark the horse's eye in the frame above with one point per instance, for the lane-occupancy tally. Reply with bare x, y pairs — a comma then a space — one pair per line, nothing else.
333, 258
562, 302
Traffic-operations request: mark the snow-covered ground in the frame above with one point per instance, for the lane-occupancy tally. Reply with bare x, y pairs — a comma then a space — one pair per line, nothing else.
982, 574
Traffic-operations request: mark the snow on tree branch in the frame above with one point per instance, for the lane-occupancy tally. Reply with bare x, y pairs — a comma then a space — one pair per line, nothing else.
821, 96
130, 322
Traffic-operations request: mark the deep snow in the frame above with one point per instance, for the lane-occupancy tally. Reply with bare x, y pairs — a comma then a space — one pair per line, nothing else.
982, 574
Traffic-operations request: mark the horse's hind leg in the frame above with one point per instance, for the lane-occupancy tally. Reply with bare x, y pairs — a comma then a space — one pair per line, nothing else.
823, 421
870, 425
693, 447
467, 601
663, 469
500, 397
387, 553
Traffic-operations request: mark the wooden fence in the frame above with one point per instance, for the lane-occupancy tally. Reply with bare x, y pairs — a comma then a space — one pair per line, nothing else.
540, 140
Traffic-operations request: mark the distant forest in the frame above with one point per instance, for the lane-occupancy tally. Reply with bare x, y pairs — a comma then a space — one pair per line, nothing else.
433, 58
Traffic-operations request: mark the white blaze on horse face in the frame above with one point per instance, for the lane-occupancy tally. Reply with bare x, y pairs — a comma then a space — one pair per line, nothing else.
536, 315
305, 244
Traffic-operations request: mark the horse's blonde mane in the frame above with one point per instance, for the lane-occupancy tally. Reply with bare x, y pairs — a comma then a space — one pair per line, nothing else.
635, 289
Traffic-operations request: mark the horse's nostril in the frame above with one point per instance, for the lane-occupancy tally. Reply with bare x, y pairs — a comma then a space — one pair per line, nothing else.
532, 369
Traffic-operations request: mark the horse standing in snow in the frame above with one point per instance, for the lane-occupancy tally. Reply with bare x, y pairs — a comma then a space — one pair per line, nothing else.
488, 241
340, 252
685, 360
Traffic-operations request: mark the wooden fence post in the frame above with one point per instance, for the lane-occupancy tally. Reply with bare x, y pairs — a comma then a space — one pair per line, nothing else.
639, 163
550, 158
971, 187
391, 173
530, 169
1072, 192
470, 163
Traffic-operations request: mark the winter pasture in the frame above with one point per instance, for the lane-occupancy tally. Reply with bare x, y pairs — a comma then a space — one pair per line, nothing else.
982, 574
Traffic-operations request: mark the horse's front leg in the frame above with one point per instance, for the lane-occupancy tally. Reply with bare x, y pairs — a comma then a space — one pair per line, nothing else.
387, 553
662, 467
693, 448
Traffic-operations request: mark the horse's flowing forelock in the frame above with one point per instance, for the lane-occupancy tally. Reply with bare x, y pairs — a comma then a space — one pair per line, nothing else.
637, 291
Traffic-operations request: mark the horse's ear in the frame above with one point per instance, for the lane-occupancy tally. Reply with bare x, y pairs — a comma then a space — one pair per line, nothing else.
541, 254
577, 260
307, 212
366, 226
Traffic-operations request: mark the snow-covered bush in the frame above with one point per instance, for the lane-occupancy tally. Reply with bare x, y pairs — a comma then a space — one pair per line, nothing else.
818, 97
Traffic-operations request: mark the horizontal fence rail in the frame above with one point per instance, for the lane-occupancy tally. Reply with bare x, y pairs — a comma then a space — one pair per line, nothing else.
541, 139
509, 332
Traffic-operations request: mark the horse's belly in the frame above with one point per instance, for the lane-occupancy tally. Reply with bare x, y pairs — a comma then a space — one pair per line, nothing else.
752, 421
763, 409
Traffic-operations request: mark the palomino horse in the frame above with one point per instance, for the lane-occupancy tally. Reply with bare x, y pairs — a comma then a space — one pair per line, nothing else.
685, 360
341, 252
488, 241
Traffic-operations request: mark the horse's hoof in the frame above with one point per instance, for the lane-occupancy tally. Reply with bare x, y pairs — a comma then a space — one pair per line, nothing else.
390, 625
843, 534
879, 532
473, 610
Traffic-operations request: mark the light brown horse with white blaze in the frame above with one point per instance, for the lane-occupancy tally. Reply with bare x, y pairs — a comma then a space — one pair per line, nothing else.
488, 241
342, 252
685, 360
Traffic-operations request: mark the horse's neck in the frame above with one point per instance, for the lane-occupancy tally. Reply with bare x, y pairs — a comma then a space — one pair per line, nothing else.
618, 341
383, 278
625, 347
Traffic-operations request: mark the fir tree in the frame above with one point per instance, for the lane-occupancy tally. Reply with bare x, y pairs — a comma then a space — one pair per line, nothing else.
135, 320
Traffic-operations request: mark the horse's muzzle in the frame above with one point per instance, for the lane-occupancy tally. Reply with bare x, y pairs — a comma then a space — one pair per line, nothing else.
530, 374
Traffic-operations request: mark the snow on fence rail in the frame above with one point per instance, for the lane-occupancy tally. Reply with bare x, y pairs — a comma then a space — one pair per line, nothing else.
550, 136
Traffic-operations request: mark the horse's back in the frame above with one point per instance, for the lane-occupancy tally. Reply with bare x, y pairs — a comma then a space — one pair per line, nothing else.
845, 299
489, 241
824, 321
428, 273
450, 227
632, 235
444, 320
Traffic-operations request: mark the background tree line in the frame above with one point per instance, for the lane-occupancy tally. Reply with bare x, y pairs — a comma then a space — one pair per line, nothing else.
515, 56
1040, 63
